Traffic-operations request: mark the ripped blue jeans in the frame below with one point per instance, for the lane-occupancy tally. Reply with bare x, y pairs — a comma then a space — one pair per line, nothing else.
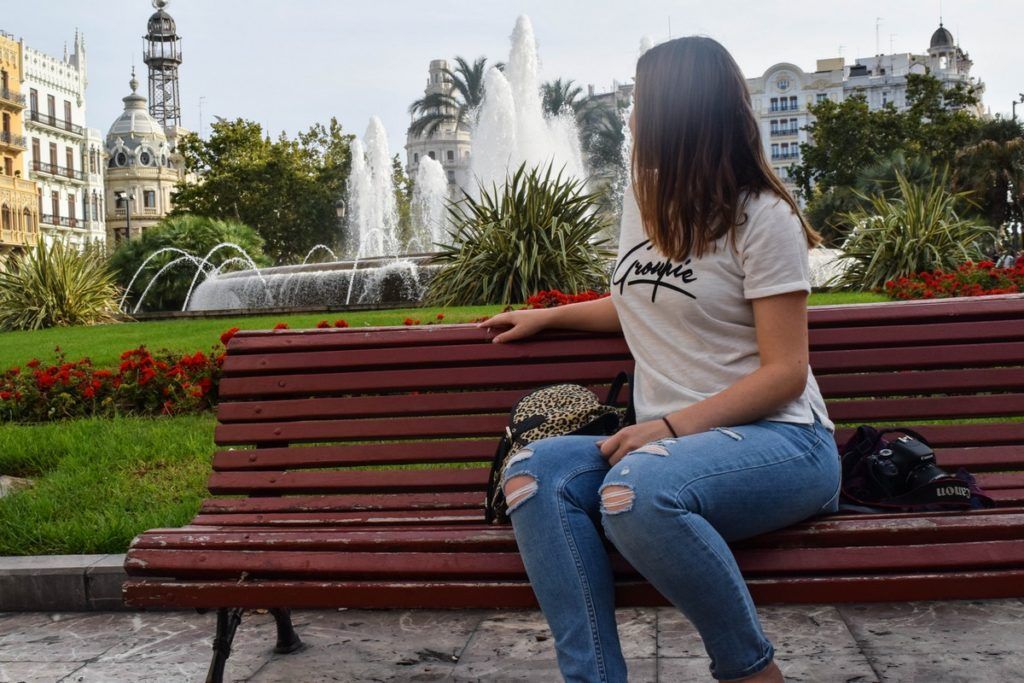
669, 508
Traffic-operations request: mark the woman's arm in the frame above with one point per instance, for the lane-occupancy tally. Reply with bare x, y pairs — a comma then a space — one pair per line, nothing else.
781, 326
598, 315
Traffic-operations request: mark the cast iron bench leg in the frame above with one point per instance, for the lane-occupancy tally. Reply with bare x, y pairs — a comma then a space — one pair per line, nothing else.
287, 639
227, 623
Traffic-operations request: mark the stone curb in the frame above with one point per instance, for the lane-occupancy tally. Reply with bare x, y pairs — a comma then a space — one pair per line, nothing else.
61, 583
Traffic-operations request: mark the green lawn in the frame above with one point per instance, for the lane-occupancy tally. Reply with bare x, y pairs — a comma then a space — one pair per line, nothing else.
104, 343
101, 481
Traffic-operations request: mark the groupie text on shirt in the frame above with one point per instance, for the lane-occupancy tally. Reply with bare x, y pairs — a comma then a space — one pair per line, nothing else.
658, 272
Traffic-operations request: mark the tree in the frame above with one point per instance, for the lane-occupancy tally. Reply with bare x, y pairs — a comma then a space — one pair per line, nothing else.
196, 235
452, 108
287, 190
558, 96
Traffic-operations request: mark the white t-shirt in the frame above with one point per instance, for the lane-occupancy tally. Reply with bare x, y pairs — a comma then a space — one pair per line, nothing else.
690, 325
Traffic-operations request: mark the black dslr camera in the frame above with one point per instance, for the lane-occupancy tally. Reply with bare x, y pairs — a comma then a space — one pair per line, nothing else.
903, 465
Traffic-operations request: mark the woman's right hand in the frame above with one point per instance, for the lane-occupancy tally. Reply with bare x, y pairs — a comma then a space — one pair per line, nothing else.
524, 322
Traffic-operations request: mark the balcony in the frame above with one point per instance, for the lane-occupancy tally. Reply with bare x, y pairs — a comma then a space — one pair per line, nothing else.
782, 156
782, 132
58, 171
59, 221
15, 98
8, 139
55, 123
784, 106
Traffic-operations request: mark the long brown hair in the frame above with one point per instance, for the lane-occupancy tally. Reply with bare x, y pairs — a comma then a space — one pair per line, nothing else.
697, 147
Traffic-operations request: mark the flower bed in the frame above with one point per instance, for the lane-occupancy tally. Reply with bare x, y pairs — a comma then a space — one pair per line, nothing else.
552, 297
969, 279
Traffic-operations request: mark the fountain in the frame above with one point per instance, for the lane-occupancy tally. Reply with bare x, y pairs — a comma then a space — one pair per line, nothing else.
379, 265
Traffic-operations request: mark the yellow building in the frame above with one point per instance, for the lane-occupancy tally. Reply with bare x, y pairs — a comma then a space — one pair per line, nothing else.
19, 198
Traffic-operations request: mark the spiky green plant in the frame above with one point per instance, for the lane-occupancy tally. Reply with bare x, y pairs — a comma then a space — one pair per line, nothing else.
536, 231
919, 228
57, 286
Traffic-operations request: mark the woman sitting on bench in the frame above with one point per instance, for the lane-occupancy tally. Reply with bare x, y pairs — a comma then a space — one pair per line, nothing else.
732, 437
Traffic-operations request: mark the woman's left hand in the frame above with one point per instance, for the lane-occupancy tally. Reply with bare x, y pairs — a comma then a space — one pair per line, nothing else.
631, 438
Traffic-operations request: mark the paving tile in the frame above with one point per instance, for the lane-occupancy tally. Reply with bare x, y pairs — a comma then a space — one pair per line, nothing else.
961, 626
517, 645
36, 672
949, 667
844, 668
75, 639
374, 645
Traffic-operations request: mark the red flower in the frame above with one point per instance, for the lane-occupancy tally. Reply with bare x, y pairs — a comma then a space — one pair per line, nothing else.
410, 321
5, 395
89, 392
33, 363
226, 337
322, 324
340, 323
440, 316
281, 326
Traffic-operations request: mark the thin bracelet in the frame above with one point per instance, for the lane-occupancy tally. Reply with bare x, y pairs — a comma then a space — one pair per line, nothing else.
669, 425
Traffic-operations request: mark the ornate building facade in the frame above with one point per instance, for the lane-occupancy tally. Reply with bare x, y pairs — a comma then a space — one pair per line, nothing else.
19, 207
141, 173
448, 144
782, 94
65, 158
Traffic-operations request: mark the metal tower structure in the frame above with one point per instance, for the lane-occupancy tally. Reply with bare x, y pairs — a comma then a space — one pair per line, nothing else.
162, 54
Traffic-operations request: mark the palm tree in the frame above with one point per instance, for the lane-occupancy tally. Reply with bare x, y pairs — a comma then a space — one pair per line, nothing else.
559, 95
454, 106
602, 133
993, 171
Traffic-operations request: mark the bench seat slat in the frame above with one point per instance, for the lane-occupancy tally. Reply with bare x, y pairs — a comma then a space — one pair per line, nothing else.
346, 502
842, 530
363, 517
874, 336
330, 565
519, 594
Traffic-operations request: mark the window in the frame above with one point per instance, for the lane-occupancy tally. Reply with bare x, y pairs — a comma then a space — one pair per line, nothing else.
432, 155
3, 81
149, 199
885, 97
820, 97
120, 159
51, 107
7, 123
95, 206
451, 155
775, 104
416, 158
55, 204
69, 158
53, 156
7, 217
71, 210
67, 114
145, 158
33, 101
8, 166
451, 176
783, 83
29, 227
793, 127
774, 126
92, 161
35, 153
792, 102
775, 150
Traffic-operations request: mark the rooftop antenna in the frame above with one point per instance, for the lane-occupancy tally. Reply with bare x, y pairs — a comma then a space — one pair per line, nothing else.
878, 24
891, 50
670, 27
201, 98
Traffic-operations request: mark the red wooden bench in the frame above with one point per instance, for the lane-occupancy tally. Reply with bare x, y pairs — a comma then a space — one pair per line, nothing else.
305, 523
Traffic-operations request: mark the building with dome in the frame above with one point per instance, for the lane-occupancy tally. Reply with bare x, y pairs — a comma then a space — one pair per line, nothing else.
448, 144
782, 94
141, 172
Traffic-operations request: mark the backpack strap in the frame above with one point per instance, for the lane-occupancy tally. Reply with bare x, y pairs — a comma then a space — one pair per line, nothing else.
613, 395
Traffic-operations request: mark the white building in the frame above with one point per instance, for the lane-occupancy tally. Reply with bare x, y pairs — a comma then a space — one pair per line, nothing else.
64, 157
448, 144
782, 94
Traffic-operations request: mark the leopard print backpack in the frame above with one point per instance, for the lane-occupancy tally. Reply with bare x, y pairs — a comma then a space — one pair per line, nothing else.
553, 410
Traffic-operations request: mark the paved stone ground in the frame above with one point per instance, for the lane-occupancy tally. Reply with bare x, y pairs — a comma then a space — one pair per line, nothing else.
977, 641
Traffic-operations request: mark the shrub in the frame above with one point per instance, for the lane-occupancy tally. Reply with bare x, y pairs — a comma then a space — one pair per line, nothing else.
143, 384
969, 279
57, 286
552, 298
919, 229
535, 232
196, 235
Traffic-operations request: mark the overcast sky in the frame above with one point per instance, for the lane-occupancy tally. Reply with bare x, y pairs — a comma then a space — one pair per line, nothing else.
289, 63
